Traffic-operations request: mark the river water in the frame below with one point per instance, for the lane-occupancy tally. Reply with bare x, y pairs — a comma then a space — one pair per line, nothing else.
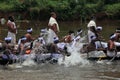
94, 70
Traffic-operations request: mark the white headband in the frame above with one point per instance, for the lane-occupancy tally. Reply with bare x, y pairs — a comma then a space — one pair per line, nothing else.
23, 38
55, 39
93, 37
117, 30
8, 38
77, 38
30, 30
40, 38
79, 32
113, 36
91, 23
43, 30
99, 28
19, 42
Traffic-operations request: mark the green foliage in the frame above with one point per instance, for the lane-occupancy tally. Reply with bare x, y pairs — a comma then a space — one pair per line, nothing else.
6, 7
66, 9
113, 9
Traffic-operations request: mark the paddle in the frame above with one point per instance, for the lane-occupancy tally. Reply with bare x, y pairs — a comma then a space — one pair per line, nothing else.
114, 56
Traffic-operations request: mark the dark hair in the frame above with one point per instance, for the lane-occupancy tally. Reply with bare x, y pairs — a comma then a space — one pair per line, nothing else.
118, 30
52, 13
56, 41
11, 18
70, 32
22, 37
79, 30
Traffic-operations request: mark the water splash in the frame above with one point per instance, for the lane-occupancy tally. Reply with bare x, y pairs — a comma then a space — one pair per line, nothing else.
75, 58
29, 60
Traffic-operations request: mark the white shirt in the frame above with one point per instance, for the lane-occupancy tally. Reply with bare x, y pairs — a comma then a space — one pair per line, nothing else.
53, 21
91, 23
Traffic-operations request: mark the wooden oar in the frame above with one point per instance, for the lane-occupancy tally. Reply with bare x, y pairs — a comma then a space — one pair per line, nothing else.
114, 56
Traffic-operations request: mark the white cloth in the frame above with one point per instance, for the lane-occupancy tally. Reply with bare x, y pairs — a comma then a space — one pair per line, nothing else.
100, 44
12, 23
53, 21
117, 44
61, 45
56, 56
51, 35
13, 36
2, 20
91, 23
27, 45
90, 34
10, 34
41, 40
76, 39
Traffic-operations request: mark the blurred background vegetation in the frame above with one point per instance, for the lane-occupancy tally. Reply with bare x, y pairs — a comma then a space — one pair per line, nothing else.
67, 9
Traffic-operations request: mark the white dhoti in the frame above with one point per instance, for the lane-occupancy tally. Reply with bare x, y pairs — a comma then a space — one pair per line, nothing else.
51, 35
100, 44
13, 36
53, 21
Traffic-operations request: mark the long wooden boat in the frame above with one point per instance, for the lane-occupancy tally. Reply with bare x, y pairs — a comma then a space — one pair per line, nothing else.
103, 58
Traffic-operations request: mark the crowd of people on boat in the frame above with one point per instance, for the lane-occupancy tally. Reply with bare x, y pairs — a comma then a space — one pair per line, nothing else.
48, 46
97, 42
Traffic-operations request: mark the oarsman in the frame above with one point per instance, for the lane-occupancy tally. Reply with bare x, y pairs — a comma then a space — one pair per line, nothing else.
42, 37
111, 43
69, 38
12, 30
117, 32
115, 37
92, 23
28, 35
99, 42
8, 55
77, 38
29, 40
8, 44
21, 45
53, 24
56, 51
92, 34
94, 38
112, 46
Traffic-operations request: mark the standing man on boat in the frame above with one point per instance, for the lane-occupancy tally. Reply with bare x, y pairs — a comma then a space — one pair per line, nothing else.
12, 30
53, 28
53, 24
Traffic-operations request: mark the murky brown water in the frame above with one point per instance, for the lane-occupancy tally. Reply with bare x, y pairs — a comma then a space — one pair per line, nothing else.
93, 71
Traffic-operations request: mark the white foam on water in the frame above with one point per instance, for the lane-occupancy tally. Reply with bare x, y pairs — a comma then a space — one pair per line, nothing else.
29, 60
100, 61
108, 62
15, 66
75, 58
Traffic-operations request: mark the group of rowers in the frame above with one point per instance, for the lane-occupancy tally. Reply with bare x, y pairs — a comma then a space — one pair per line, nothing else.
55, 47
97, 42
42, 49
27, 44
